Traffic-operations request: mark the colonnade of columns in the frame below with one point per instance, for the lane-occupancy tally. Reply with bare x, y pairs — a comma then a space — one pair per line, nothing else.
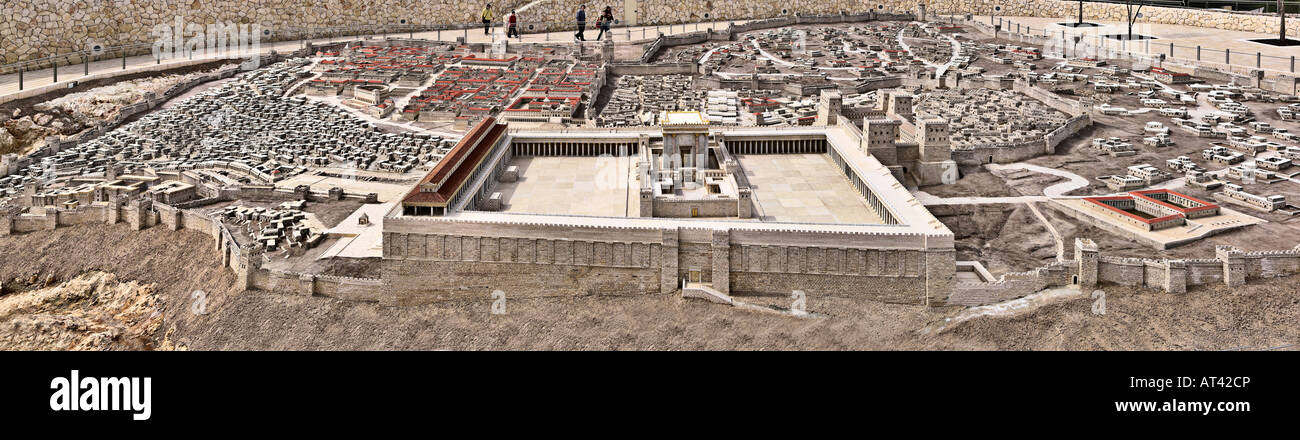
792, 146
576, 149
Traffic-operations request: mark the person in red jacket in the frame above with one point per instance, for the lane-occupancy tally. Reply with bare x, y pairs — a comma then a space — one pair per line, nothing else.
511, 22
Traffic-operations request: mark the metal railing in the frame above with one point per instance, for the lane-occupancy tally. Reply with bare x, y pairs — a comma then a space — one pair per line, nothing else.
1248, 6
1104, 45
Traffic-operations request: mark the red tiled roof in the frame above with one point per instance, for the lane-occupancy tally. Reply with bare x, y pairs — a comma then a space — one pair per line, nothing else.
452, 171
1204, 204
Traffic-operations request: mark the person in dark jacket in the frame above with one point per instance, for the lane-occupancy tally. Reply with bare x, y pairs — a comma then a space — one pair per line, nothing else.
604, 22
582, 22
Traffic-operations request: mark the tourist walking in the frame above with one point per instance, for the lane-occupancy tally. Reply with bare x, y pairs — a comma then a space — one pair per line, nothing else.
604, 22
582, 22
487, 19
511, 22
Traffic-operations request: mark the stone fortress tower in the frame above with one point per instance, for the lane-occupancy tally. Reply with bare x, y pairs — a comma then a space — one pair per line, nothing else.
916, 148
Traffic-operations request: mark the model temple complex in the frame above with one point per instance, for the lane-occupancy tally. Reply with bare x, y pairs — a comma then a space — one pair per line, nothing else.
891, 155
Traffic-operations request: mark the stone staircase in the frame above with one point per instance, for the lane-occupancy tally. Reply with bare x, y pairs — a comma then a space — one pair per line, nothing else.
706, 292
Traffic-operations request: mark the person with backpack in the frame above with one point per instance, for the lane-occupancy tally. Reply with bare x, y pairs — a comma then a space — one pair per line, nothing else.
487, 19
582, 22
604, 22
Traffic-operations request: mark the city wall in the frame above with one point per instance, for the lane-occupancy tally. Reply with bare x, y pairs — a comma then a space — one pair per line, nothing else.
1010, 152
550, 260
1090, 269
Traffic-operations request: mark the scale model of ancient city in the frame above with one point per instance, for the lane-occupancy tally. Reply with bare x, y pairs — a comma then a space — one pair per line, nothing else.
944, 174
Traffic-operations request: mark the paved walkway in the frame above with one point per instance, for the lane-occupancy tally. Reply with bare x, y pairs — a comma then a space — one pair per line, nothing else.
9, 83
1213, 42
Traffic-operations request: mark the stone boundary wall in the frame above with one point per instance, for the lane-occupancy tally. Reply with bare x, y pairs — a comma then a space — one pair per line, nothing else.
1071, 127
1013, 285
1062, 104
307, 284
34, 29
1069, 10
423, 266
38, 28
1009, 152
1090, 268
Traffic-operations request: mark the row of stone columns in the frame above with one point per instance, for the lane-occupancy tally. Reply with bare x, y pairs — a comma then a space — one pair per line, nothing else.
796, 146
860, 185
577, 149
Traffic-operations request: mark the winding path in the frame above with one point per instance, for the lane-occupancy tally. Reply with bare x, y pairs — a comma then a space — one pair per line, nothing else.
1073, 182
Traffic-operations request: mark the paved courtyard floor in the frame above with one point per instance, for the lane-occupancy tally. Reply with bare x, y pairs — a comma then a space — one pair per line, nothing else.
595, 186
804, 188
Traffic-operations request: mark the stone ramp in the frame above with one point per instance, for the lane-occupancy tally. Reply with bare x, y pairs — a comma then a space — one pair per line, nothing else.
706, 292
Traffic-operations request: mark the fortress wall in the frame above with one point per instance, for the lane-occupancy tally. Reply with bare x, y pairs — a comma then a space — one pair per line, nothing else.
349, 289
418, 282
89, 214
1201, 272
1154, 273
472, 258
1122, 271
198, 222
278, 282
1272, 264
295, 283
28, 223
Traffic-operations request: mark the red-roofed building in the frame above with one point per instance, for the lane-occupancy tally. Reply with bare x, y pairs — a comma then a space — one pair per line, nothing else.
445, 183
1154, 209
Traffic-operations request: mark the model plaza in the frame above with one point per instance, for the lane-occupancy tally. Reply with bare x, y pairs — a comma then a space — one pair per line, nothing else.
658, 208
879, 155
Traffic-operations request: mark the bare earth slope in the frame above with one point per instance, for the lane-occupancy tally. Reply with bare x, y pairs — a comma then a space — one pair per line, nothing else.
91, 312
1260, 315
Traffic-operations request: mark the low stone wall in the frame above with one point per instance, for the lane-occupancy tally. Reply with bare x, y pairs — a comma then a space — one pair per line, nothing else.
1062, 104
296, 283
1014, 285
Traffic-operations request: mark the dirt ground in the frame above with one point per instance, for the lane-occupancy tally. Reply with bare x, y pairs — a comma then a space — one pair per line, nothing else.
1257, 316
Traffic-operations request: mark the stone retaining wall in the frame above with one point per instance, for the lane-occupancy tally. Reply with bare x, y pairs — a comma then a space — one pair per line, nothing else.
35, 29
